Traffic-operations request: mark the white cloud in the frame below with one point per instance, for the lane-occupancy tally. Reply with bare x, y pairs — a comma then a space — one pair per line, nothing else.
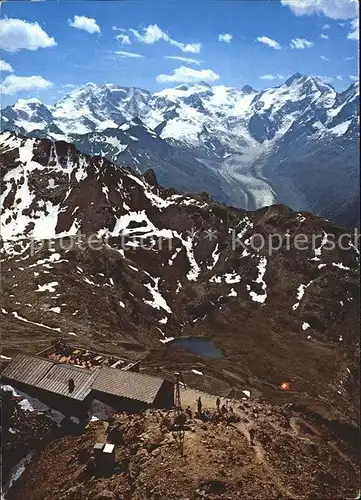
339, 78
324, 58
334, 9
353, 78
13, 84
188, 75
126, 54
17, 34
324, 37
349, 58
188, 60
5, 66
193, 48
69, 86
269, 41
153, 34
354, 34
300, 43
271, 77
84, 23
326, 27
123, 39
225, 37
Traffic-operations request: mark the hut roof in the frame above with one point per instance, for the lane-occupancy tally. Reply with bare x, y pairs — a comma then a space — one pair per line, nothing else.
27, 369
126, 384
76, 383
57, 380
53, 377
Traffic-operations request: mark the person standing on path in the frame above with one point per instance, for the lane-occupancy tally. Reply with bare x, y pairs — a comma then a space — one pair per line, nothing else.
218, 404
199, 405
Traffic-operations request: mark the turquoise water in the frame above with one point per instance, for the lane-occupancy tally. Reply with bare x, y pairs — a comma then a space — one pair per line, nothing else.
200, 346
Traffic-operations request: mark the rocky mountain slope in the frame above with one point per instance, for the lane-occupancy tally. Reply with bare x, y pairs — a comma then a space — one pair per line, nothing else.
100, 256
295, 144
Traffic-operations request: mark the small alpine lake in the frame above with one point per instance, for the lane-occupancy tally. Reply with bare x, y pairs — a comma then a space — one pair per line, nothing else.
197, 345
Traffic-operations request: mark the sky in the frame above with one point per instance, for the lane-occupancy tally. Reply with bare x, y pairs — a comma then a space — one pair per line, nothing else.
49, 47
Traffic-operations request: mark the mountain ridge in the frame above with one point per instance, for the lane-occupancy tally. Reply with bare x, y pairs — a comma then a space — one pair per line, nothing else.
250, 148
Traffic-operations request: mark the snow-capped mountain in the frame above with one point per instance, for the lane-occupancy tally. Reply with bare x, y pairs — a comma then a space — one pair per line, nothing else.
250, 148
26, 115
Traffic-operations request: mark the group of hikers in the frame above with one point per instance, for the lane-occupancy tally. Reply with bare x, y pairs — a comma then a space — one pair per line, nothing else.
221, 409
225, 411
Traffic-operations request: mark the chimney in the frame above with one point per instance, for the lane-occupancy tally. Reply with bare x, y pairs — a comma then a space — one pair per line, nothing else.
71, 385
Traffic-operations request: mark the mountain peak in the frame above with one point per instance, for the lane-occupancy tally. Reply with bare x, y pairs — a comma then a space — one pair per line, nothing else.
89, 86
21, 103
247, 89
184, 87
205, 84
196, 87
292, 78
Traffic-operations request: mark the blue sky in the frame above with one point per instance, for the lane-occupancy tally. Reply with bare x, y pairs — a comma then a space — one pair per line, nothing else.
133, 43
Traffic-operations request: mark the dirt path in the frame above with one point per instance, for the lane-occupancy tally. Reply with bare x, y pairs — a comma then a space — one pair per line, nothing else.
189, 398
294, 426
244, 428
260, 457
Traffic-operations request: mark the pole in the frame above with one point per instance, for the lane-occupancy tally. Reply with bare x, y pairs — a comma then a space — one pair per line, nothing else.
178, 432
177, 402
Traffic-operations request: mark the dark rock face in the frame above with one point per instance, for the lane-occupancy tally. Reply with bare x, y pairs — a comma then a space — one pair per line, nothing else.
247, 89
95, 252
150, 177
